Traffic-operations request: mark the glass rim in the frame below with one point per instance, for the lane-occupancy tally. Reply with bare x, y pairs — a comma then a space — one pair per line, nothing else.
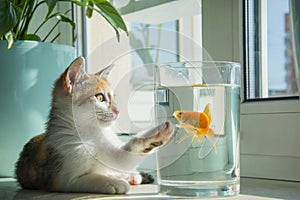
194, 62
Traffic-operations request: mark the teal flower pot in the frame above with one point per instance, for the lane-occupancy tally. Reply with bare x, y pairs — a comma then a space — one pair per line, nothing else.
28, 71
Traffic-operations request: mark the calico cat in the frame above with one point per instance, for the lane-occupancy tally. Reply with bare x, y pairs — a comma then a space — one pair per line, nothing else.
79, 151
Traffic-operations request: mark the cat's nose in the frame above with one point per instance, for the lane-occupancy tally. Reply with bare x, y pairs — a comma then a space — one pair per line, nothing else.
116, 111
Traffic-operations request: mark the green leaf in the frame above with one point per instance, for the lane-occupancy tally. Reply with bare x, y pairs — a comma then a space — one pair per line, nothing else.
89, 9
9, 36
51, 4
61, 18
9, 15
79, 3
99, 1
111, 15
32, 37
65, 18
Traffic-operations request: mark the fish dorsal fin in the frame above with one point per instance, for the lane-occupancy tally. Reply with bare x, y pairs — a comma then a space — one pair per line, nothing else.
207, 111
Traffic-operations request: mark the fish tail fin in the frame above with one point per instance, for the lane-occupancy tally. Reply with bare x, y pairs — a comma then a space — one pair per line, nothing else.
207, 111
190, 130
211, 137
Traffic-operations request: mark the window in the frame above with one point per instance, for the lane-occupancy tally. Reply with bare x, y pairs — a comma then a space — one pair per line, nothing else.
173, 34
269, 54
150, 44
270, 128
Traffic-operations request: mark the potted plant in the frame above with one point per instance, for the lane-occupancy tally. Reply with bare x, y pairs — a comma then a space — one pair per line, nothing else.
16, 17
31, 61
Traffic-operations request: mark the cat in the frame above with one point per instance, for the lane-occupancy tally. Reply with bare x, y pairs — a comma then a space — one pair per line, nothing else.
79, 152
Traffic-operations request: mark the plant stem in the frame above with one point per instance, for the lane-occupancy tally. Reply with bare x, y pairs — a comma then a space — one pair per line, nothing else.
26, 21
29, 18
43, 21
55, 37
52, 29
55, 25
18, 26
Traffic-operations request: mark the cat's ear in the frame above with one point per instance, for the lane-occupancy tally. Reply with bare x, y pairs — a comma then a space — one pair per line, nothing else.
105, 72
74, 73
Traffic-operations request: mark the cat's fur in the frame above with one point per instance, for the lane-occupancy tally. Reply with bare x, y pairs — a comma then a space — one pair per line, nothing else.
79, 151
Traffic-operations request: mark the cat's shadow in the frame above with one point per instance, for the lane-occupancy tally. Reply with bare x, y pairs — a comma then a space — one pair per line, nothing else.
148, 191
23, 194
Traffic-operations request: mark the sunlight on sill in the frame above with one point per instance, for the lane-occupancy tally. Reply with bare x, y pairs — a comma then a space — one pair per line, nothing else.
251, 189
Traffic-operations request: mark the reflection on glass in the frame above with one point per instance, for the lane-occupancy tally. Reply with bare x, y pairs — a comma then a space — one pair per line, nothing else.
147, 40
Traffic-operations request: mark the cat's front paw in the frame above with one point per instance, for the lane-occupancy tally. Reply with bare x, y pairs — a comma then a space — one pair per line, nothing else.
134, 179
117, 187
161, 137
146, 141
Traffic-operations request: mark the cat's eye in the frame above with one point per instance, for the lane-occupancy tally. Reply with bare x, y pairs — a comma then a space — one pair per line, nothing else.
100, 97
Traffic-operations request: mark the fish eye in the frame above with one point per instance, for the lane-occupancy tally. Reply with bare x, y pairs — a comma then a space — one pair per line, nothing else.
180, 114
100, 97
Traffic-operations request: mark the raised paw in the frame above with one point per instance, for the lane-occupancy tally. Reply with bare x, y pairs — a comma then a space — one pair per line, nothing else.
161, 137
149, 140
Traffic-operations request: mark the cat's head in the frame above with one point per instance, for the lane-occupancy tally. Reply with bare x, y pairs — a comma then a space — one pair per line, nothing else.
90, 94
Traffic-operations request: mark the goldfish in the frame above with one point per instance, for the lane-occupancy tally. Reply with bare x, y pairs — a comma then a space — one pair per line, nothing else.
196, 124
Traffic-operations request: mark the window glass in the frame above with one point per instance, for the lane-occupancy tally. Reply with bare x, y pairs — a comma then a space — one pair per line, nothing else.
269, 57
150, 36
169, 35
148, 42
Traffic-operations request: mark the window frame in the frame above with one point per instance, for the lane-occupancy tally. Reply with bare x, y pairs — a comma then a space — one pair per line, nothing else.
265, 123
253, 62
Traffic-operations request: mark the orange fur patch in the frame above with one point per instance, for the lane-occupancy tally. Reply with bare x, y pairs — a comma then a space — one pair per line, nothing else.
38, 138
101, 85
41, 155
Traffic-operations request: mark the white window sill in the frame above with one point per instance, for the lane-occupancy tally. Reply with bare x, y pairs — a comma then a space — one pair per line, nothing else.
254, 189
